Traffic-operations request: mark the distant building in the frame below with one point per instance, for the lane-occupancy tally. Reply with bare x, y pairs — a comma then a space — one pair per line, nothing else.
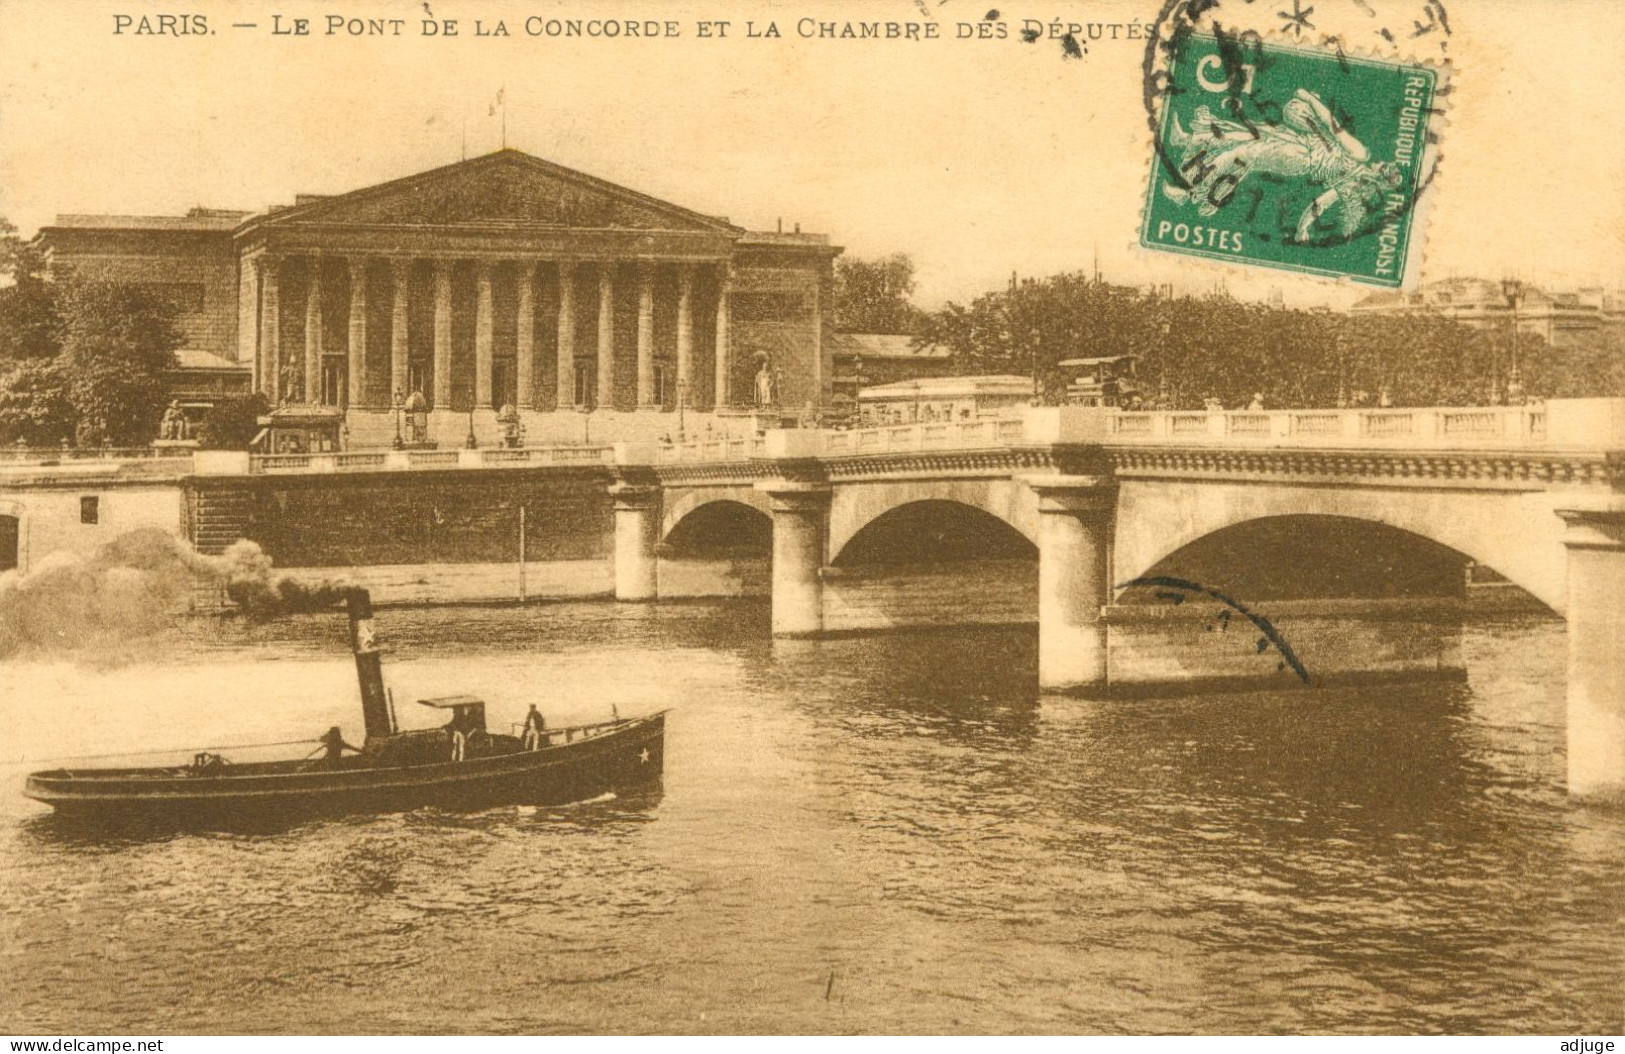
187, 261
1557, 316
858, 360
503, 280
941, 399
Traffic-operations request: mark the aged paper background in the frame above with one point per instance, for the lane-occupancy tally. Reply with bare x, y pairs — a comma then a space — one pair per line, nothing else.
978, 158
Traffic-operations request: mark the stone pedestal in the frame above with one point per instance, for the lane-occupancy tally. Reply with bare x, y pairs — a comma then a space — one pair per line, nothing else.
800, 529
1074, 537
1596, 631
637, 532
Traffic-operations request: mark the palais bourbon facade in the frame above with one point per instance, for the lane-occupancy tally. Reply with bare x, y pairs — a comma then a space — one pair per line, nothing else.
500, 281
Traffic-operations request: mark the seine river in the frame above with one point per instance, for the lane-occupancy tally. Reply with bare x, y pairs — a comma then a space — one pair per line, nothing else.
882, 834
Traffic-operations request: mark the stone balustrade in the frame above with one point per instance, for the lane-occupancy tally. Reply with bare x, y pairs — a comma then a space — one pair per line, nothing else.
1515, 426
1562, 424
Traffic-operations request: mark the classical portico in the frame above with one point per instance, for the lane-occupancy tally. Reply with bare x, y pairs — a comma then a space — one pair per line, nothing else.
509, 281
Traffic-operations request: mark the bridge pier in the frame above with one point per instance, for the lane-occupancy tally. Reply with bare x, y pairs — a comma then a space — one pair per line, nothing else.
1596, 631
637, 533
1074, 584
800, 531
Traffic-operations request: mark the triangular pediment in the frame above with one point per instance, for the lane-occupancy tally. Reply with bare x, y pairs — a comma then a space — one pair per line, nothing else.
507, 188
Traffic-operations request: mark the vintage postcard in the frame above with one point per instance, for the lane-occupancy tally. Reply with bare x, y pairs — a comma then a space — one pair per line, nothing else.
787, 517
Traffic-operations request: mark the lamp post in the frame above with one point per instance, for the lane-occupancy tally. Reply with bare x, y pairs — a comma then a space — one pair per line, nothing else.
1165, 326
399, 407
471, 442
1512, 289
1342, 371
682, 399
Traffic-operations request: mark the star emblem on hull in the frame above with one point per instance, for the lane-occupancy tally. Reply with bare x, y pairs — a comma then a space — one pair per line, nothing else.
643, 756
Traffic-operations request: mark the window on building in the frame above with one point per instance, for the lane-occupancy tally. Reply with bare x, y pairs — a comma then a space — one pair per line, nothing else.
583, 392
90, 509
662, 380
417, 380
333, 382
504, 391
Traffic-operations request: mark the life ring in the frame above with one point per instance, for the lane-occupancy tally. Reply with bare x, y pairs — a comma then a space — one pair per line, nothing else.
459, 746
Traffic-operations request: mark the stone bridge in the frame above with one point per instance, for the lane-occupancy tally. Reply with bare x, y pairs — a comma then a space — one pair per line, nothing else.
1110, 498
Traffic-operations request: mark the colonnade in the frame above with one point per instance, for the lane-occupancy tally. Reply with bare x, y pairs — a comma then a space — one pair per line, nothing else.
279, 383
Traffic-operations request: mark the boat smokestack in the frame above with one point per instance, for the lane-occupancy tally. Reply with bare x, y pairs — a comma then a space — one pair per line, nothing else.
368, 665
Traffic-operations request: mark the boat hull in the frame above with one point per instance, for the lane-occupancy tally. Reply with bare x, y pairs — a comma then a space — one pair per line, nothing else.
620, 760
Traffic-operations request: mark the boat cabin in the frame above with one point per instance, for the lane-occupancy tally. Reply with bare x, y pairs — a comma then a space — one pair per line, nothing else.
467, 712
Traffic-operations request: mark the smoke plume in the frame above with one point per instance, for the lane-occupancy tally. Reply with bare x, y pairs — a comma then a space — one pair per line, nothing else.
135, 586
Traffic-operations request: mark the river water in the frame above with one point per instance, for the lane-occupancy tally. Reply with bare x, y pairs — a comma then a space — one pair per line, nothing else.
883, 834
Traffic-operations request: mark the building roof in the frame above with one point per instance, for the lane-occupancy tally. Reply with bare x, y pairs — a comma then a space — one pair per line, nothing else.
505, 186
884, 346
199, 219
951, 387
194, 359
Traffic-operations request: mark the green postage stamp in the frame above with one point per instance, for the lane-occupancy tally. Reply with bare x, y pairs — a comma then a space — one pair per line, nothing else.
1303, 160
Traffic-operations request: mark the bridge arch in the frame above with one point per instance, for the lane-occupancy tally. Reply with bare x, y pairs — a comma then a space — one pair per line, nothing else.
719, 527
933, 530
856, 506
679, 505
1513, 534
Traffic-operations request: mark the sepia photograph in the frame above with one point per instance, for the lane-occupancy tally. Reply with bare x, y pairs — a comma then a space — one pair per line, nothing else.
811, 518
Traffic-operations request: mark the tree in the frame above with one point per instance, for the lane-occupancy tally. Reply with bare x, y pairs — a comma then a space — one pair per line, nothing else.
34, 405
233, 422
118, 341
1196, 348
29, 324
872, 296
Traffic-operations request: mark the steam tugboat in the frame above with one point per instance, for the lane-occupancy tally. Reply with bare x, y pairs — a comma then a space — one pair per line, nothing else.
460, 766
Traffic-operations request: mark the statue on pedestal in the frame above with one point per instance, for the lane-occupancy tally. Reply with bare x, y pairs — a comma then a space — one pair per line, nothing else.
767, 395
173, 426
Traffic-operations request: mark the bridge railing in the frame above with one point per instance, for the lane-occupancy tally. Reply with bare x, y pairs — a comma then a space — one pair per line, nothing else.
225, 462
1427, 426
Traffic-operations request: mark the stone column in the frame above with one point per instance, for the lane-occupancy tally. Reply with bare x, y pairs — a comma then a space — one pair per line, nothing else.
724, 395
483, 336
606, 336
525, 339
637, 531
442, 335
399, 331
1075, 516
270, 329
800, 528
685, 334
313, 333
356, 351
567, 335
646, 338
1596, 629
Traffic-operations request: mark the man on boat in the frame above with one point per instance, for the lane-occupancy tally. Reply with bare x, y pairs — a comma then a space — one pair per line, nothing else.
535, 726
333, 740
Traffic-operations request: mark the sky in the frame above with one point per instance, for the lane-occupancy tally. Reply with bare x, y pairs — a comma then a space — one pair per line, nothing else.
977, 158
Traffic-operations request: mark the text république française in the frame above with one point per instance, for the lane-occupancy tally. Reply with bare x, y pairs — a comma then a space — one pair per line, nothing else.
338, 25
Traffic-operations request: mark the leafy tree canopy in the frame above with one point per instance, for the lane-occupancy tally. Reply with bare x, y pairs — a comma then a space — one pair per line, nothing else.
117, 342
232, 423
1190, 349
873, 296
